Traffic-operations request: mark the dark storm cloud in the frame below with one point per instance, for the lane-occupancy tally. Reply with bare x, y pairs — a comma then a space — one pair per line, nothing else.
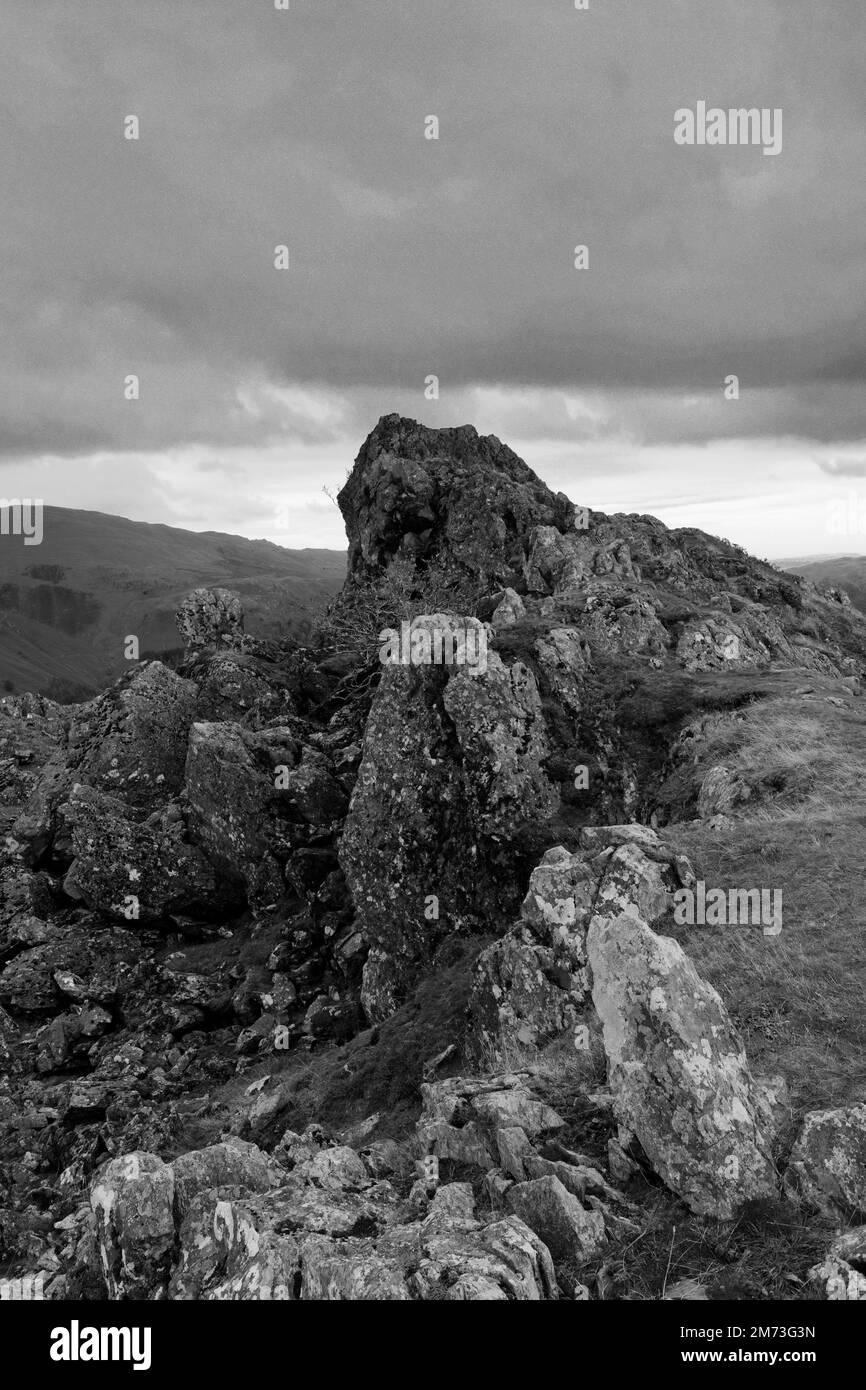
411, 257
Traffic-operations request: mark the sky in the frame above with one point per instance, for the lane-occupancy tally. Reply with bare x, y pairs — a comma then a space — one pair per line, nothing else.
454, 258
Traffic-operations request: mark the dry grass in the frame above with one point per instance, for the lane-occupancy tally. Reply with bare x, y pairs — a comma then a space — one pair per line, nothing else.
798, 997
765, 1254
799, 757
357, 616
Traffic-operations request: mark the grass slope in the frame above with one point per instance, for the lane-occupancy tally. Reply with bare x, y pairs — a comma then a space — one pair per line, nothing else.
67, 605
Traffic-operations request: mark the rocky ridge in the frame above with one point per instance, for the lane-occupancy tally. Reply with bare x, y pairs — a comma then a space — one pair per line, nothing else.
271, 852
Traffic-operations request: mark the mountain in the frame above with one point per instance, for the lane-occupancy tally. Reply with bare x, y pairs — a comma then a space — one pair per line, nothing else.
518, 956
846, 572
67, 605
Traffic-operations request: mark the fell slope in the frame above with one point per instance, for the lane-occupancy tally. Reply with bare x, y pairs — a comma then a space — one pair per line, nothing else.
847, 572
67, 604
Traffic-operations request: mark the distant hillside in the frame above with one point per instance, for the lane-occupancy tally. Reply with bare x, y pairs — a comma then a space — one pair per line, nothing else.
67, 604
846, 572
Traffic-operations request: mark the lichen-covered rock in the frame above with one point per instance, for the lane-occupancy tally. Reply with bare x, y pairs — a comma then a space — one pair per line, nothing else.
840, 1275
384, 982
563, 561
230, 1251
616, 623
131, 741
32, 736
233, 1163
827, 1166
712, 644
236, 686
253, 796
677, 1069
232, 803
450, 780
509, 609
102, 962
133, 1202
505, 1260
533, 984
499, 725
557, 1217
564, 658
127, 869
210, 618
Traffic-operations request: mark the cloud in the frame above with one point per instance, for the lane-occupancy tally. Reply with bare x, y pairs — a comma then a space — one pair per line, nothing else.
409, 257
843, 467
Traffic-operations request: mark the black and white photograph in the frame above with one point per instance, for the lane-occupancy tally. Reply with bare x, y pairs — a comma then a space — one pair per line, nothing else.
432, 671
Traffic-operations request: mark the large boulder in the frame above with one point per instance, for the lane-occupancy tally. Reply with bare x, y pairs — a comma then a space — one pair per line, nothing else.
677, 1069
133, 871
129, 743
254, 795
239, 686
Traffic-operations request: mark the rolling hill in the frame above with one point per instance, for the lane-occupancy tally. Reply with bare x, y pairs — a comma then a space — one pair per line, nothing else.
67, 605
846, 572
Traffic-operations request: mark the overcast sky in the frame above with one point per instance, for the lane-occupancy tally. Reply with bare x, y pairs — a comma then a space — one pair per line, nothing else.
410, 257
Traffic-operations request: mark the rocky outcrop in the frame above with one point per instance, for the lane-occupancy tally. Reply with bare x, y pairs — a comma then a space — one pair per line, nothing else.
210, 618
129, 743
450, 779
227, 1223
438, 878
419, 492
583, 953
534, 984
